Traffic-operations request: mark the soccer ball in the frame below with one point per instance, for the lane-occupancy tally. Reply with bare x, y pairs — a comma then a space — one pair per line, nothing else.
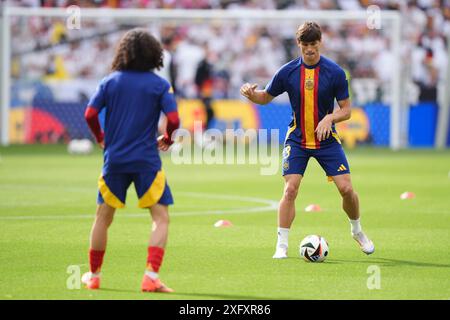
314, 248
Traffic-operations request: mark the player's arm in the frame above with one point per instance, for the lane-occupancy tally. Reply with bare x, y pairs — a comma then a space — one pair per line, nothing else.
91, 116
173, 123
169, 107
343, 113
95, 104
274, 88
256, 96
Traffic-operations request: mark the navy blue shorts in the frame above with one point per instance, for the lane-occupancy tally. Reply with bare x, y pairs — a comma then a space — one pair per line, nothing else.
331, 158
151, 188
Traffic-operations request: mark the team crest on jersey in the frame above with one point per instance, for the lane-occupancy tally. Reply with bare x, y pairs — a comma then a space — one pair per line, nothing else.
286, 152
309, 84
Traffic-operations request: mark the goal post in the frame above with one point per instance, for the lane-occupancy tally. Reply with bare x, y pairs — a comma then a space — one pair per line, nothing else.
397, 110
443, 120
5, 54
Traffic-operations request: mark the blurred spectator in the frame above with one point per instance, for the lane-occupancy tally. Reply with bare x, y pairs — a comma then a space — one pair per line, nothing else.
242, 51
204, 80
425, 74
169, 70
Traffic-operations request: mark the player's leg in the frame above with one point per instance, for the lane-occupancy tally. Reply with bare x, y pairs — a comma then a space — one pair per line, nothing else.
112, 194
350, 200
160, 217
286, 213
99, 232
155, 194
98, 238
334, 162
286, 210
156, 249
158, 238
350, 204
295, 160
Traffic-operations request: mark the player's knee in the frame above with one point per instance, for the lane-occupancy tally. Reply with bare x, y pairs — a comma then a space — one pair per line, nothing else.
104, 219
161, 219
346, 190
104, 215
166, 218
290, 192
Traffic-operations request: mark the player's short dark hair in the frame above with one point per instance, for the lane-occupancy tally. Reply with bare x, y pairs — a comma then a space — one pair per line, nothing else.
309, 32
138, 50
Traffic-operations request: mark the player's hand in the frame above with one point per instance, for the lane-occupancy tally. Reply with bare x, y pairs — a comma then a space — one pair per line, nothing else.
162, 143
323, 129
248, 90
101, 140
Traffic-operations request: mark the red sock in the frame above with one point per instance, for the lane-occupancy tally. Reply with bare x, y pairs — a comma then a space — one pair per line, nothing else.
96, 260
155, 257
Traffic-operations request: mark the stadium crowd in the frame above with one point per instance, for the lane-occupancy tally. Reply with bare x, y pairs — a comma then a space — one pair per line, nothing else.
46, 48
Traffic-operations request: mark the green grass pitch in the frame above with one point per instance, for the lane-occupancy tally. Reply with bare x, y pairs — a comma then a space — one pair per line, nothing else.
47, 204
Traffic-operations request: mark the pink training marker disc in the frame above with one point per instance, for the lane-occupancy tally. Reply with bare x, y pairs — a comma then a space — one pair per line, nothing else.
407, 195
223, 223
313, 208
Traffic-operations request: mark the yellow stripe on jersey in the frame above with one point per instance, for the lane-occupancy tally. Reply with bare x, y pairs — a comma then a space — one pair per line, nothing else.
291, 129
154, 193
308, 121
109, 197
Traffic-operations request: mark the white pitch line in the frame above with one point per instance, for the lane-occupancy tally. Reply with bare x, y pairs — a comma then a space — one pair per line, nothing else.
270, 205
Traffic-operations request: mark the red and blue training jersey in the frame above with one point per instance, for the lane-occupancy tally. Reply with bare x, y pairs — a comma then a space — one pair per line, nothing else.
133, 102
312, 91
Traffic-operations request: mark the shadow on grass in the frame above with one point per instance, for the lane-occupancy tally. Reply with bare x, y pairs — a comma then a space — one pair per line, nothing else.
393, 263
119, 290
333, 261
211, 296
228, 296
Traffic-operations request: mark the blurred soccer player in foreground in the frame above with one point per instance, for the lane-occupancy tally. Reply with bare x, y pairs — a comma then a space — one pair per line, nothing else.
133, 97
312, 82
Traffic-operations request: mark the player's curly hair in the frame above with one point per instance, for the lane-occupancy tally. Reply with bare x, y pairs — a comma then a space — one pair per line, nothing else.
309, 32
138, 50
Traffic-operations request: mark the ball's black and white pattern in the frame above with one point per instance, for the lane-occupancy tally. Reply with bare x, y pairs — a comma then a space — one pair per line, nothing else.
314, 248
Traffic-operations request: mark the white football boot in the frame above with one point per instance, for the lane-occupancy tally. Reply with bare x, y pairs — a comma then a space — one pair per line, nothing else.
365, 243
280, 253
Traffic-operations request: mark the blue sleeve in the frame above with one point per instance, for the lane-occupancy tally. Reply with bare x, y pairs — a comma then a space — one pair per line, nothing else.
168, 102
341, 85
276, 86
98, 99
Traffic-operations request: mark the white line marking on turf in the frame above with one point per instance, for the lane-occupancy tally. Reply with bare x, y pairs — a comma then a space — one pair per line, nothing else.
269, 205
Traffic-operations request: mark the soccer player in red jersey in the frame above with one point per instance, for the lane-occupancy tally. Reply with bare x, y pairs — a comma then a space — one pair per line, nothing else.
313, 82
132, 97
